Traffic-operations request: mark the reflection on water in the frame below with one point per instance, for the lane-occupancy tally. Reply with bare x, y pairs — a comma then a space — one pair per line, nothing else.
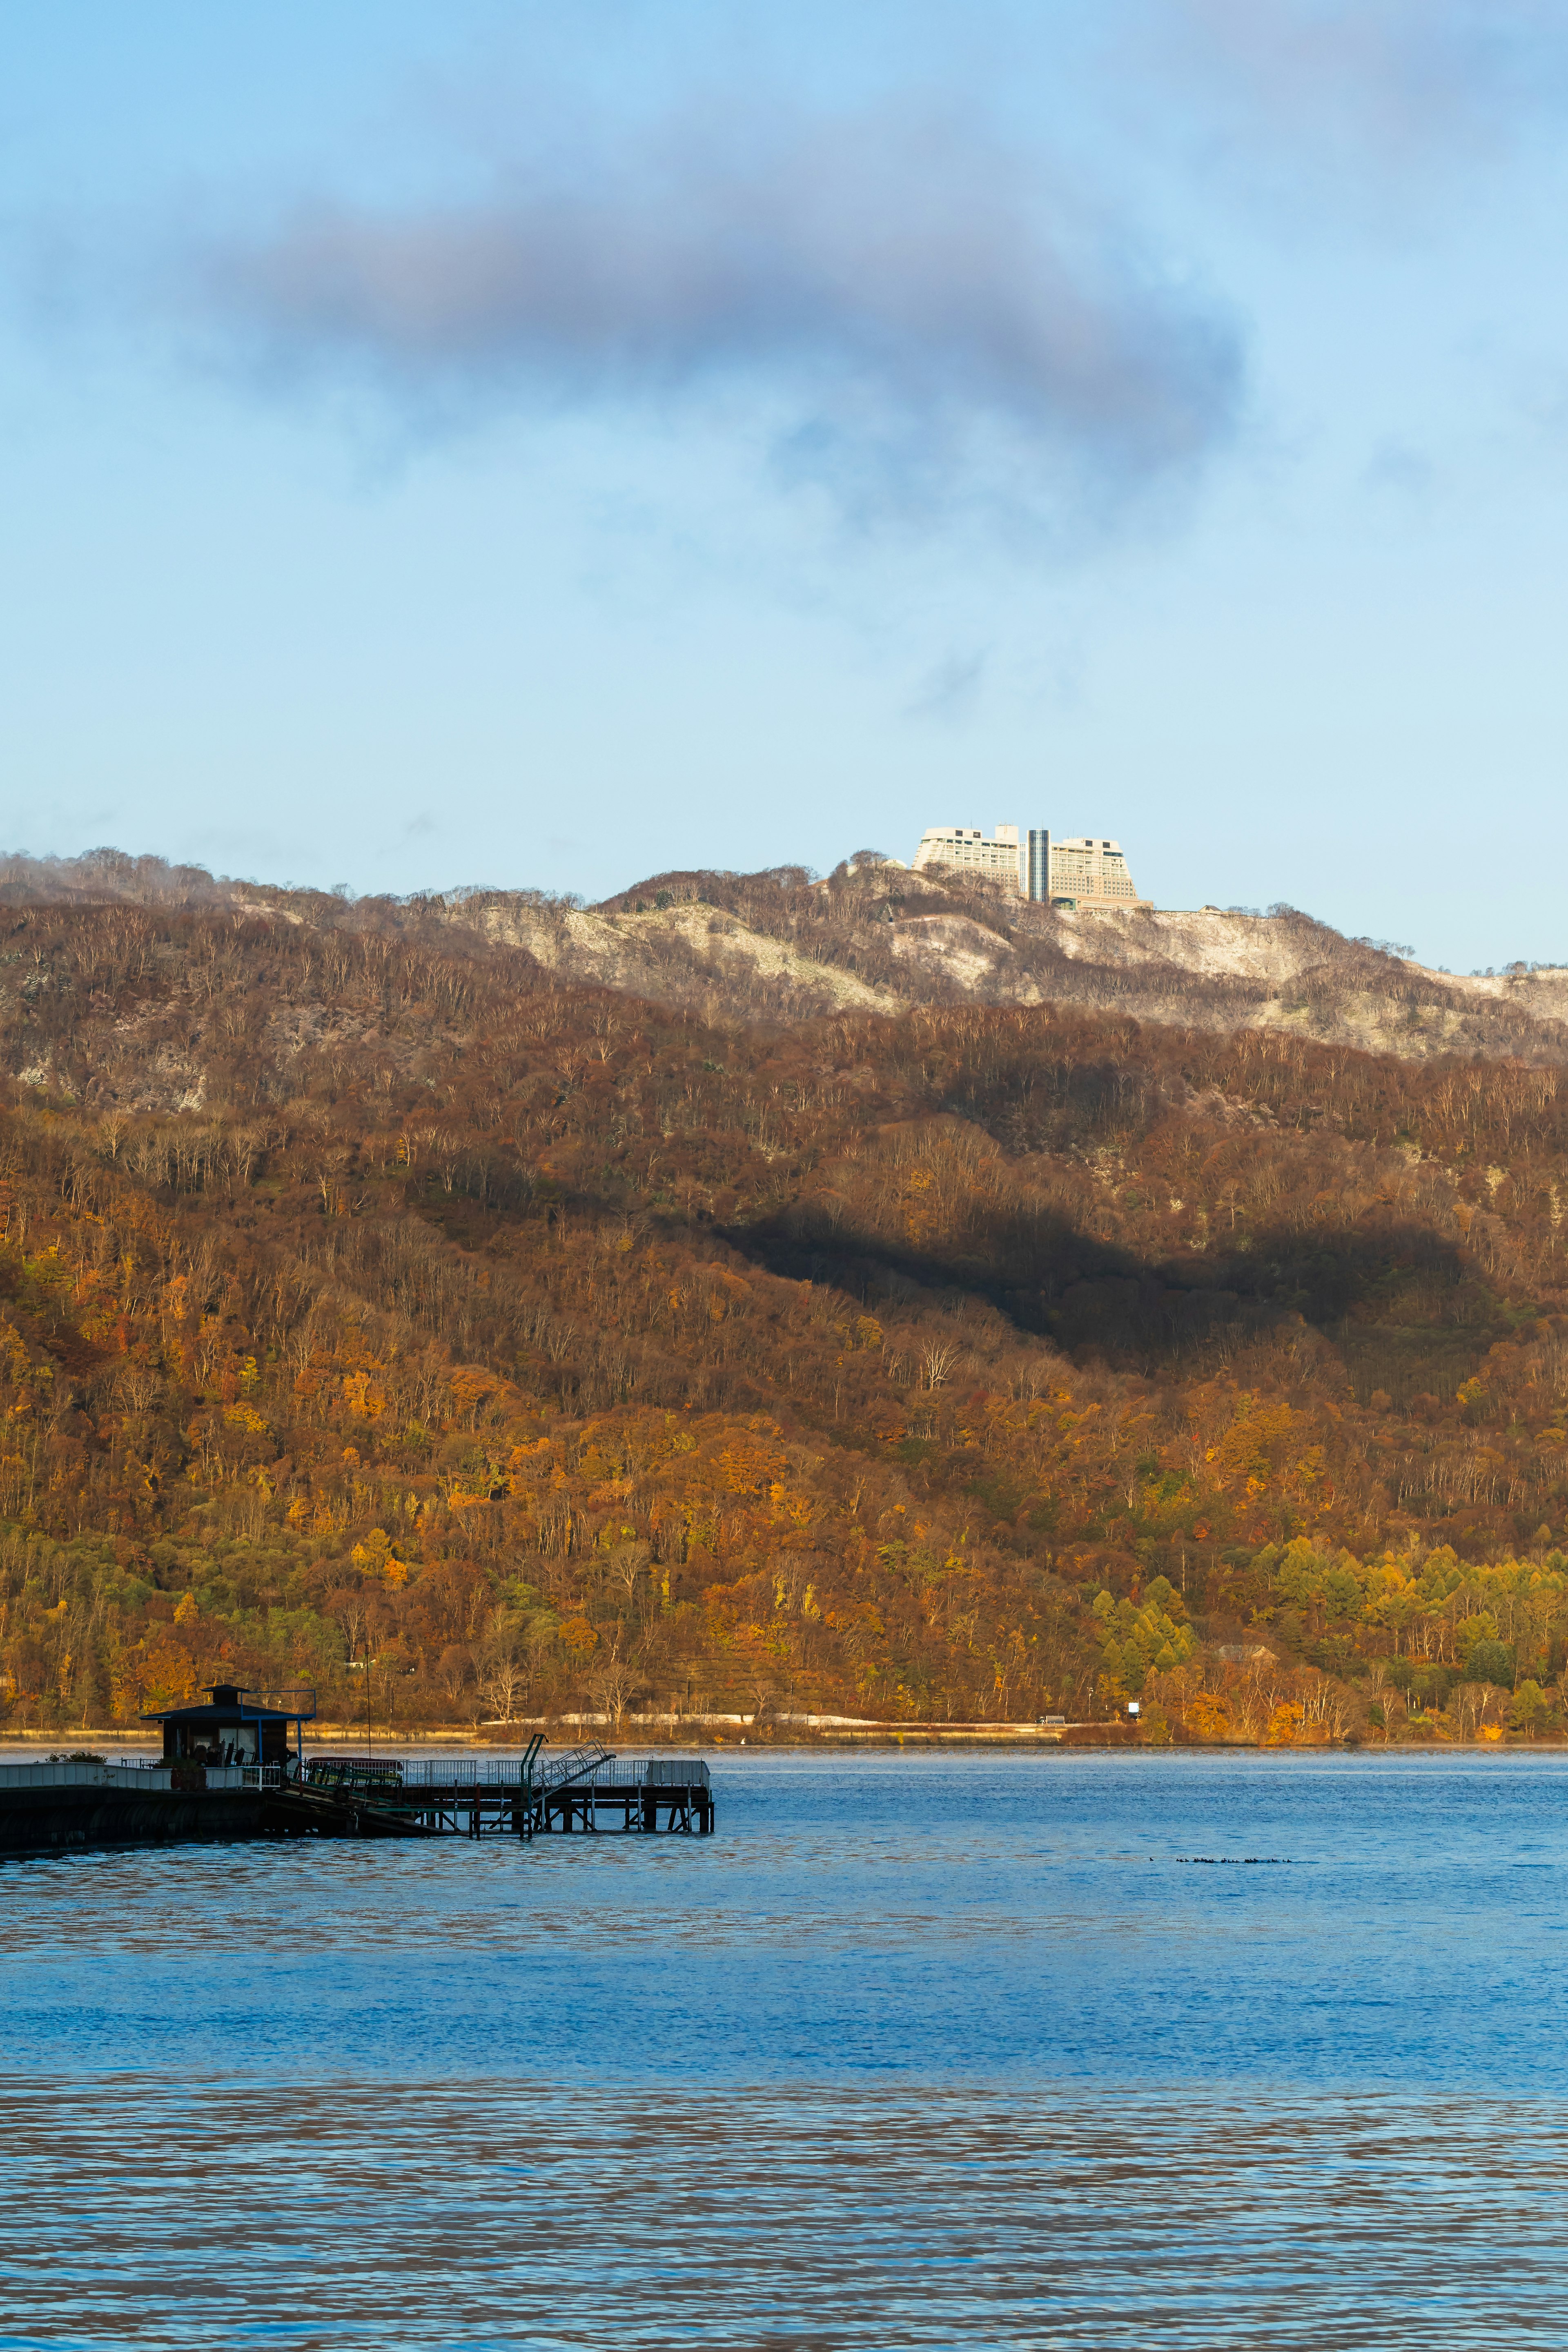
913, 2051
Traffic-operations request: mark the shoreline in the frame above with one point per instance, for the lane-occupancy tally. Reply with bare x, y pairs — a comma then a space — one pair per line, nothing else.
1019, 1740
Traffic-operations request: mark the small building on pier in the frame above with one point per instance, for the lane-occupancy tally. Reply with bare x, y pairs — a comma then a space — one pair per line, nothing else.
233, 1729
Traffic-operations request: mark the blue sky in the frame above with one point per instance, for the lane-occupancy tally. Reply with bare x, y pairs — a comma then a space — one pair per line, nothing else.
509, 445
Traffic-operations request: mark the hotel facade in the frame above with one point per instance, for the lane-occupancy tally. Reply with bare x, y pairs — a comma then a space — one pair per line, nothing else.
1070, 872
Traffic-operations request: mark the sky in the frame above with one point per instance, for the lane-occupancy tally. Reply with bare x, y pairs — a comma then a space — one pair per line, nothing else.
529, 446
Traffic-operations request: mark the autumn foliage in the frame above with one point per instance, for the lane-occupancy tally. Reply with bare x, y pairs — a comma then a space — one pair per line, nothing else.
373, 1302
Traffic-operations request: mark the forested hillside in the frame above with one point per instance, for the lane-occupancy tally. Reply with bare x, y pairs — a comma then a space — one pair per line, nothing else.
767, 949
369, 1292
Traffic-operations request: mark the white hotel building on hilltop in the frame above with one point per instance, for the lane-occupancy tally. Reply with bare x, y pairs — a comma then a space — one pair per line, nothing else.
1080, 872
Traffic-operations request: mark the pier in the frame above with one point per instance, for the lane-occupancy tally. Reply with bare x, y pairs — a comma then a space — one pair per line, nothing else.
583, 1791
229, 1773
633, 1796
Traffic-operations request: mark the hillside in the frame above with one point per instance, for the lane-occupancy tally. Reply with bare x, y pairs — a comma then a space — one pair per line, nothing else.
775, 948
371, 1289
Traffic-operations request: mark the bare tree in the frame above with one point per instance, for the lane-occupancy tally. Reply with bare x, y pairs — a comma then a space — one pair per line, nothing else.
503, 1683
612, 1682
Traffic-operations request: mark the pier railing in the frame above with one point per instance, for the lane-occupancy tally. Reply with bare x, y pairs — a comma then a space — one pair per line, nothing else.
137, 1772
652, 1773
72, 1774
366, 1776
216, 1776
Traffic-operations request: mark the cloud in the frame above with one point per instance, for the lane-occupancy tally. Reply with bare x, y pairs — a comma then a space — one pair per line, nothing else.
1384, 86
1396, 468
912, 315
949, 692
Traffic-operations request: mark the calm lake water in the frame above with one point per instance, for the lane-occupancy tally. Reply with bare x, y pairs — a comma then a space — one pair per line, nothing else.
1038, 2051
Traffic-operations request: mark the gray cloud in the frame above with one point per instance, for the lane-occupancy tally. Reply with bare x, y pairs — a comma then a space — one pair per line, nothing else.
1386, 85
949, 693
911, 313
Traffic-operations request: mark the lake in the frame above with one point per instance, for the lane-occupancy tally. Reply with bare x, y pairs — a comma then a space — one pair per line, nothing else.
1196, 2050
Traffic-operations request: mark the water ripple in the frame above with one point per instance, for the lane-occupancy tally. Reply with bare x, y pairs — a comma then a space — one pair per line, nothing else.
477, 2215
915, 2052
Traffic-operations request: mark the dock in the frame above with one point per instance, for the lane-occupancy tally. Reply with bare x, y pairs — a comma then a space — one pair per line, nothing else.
583, 1790
77, 1804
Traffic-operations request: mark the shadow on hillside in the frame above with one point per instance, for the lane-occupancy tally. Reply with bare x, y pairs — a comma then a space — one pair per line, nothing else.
1402, 1304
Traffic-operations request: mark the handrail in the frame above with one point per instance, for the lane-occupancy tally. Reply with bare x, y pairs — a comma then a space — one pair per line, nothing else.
652, 1773
354, 1773
385, 1776
572, 1765
389, 1775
